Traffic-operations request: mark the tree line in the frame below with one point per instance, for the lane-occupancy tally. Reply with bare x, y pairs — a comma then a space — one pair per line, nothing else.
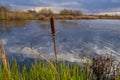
7, 13
48, 11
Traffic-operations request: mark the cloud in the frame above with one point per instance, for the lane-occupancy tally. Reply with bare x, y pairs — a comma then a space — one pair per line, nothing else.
69, 3
115, 1
91, 5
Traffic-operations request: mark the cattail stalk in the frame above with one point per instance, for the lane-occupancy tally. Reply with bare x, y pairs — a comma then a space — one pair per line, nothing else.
54, 37
54, 42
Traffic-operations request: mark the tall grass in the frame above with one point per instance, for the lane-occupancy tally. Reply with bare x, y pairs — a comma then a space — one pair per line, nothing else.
5, 62
43, 71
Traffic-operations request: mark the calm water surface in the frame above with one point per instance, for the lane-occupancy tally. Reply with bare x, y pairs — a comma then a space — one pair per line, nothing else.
74, 37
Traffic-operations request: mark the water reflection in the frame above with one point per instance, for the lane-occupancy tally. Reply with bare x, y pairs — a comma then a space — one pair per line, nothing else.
69, 22
43, 24
73, 37
8, 25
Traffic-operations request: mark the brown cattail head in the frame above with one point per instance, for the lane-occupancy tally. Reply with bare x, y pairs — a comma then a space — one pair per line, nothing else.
52, 26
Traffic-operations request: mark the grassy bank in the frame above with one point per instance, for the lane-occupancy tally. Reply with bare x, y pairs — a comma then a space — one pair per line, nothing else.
44, 71
68, 71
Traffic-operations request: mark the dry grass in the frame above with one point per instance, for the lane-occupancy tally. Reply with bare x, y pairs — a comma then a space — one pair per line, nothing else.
105, 67
4, 60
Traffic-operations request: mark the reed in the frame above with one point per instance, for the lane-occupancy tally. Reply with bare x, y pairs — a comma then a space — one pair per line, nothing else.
105, 67
53, 30
4, 60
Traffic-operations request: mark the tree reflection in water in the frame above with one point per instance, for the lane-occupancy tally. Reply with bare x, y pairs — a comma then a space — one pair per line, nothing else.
7, 25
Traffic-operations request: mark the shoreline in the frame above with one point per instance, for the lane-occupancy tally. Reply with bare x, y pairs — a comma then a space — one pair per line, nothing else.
63, 17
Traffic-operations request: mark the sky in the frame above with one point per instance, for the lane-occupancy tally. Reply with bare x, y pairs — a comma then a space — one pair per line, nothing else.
90, 6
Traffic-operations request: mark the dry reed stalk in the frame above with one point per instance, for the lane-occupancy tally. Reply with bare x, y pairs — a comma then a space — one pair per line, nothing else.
44, 57
38, 55
4, 60
54, 42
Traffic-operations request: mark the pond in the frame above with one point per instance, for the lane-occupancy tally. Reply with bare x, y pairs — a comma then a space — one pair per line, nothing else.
75, 38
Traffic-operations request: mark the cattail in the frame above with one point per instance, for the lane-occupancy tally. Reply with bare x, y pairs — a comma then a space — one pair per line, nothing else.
53, 36
54, 42
52, 26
